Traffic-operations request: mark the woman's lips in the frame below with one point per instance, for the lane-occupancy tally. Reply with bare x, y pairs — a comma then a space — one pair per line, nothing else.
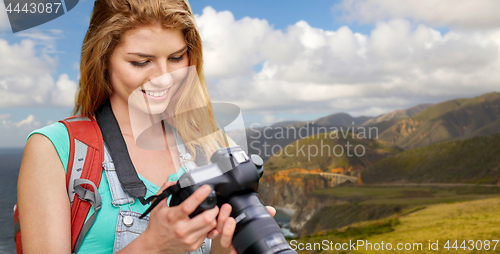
156, 95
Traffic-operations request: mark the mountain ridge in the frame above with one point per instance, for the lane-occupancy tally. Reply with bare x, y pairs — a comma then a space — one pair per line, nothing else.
445, 121
398, 114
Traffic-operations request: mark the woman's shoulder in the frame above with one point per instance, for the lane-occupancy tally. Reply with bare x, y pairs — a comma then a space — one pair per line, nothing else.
57, 133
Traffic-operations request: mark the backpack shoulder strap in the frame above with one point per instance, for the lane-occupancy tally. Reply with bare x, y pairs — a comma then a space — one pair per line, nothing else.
83, 173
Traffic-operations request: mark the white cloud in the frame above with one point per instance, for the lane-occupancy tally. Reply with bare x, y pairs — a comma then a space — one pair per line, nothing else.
464, 14
64, 94
29, 122
22, 58
4, 116
247, 36
15, 132
26, 70
306, 69
46, 39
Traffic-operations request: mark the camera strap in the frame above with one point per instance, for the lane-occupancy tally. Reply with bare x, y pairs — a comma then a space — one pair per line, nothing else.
117, 148
158, 198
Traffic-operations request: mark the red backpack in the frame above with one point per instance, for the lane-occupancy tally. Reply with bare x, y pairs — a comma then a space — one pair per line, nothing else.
85, 163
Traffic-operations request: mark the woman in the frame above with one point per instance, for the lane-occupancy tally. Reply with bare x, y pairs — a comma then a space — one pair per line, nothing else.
132, 46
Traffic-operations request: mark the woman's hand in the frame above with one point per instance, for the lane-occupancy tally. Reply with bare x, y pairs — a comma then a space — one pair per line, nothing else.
226, 226
171, 230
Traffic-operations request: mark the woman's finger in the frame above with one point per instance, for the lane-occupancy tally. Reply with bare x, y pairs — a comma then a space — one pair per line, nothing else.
204, 222
192, 230
227, 232
224, 213
271, 210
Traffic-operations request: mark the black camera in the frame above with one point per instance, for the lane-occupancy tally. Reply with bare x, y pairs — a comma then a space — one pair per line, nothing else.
234, 178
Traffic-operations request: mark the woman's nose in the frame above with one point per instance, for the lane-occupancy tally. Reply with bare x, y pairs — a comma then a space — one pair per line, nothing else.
163, 80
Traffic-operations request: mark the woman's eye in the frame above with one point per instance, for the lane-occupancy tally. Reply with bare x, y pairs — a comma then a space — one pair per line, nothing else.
177, 59
140, 64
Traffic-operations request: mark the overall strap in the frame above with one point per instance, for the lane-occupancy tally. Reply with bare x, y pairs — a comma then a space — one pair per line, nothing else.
119, 196
185, 157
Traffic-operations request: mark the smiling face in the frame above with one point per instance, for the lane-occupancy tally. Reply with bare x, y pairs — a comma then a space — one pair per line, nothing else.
147, 67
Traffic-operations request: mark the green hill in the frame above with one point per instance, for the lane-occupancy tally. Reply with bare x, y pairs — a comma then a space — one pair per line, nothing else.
473, 160
469, 221
327, 151
462, 221
454, 119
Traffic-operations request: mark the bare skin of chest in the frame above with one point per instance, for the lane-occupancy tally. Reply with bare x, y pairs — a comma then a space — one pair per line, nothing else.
154, 165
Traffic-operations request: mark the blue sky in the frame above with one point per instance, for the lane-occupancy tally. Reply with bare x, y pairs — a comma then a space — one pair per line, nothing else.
294, 60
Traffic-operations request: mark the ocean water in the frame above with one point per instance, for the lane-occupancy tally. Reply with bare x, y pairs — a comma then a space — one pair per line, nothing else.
283, 218
10, 161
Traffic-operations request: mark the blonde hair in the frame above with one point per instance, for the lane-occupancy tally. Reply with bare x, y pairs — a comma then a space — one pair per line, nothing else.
109, 21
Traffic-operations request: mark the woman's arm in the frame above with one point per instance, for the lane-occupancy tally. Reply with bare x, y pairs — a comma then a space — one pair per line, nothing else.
44, 209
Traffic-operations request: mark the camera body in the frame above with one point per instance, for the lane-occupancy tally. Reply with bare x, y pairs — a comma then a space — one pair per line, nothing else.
232, 172
234, 178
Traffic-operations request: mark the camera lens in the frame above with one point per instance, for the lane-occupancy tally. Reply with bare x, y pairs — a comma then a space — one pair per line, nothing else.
256, 231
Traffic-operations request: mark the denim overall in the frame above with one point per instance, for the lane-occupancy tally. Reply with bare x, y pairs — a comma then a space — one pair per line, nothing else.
129, 226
